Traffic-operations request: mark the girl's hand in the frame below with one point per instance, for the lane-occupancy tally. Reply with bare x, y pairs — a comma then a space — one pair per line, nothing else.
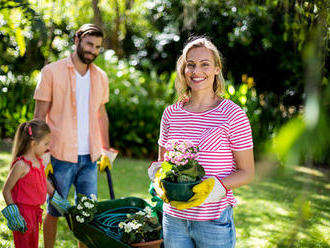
15, 220
62, 205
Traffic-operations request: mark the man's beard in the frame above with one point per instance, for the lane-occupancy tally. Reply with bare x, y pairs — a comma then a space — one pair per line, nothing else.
81, 54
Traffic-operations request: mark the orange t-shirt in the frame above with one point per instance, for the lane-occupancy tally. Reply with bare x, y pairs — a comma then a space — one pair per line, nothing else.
58, 86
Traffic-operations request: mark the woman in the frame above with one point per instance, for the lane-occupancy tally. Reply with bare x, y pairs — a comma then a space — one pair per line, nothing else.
222, 131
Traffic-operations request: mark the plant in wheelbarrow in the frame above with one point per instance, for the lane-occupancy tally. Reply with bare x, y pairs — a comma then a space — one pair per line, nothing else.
141, 229
180, 171
85, 209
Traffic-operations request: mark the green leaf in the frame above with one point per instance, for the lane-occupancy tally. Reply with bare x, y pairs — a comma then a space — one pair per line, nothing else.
20, 41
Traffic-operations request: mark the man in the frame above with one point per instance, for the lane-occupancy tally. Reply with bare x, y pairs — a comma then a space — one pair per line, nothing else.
71, 97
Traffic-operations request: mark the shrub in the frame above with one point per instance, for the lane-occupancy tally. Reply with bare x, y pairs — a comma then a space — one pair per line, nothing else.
16, 105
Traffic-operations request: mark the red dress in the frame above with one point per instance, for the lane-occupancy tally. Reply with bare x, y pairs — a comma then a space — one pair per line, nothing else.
28, 194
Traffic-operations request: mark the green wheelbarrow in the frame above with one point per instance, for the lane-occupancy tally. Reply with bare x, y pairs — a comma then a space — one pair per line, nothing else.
93, 237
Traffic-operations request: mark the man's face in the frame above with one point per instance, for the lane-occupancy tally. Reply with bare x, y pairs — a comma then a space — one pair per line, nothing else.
88, 48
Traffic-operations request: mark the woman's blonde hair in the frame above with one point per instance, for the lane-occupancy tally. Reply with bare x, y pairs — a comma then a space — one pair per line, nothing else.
26, 132
181, 86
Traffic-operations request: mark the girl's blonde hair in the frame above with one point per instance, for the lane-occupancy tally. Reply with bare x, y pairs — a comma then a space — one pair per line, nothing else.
181, 86
26, 132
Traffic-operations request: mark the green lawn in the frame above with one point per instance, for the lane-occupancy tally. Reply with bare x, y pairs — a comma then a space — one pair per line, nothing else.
282, 208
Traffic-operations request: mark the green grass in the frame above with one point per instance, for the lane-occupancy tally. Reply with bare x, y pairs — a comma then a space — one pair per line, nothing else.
283, 207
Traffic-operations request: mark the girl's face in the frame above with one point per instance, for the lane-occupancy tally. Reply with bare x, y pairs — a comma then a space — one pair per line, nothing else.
200, 69
39, 148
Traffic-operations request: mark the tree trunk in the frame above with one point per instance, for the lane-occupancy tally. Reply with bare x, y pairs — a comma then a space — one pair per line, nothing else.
111, 40
116, 38
97, 14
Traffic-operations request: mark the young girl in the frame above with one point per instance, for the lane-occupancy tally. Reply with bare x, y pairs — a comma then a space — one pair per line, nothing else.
26, 186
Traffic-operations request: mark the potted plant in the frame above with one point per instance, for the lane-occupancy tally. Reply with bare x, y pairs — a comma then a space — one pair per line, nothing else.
180, 171
85, 209
141, 229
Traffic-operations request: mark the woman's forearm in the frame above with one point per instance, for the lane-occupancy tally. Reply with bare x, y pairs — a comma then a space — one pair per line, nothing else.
238, 178
244, 173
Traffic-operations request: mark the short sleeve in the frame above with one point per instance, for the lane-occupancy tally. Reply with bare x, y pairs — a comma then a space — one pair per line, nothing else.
164, 128
43, 91
240, 134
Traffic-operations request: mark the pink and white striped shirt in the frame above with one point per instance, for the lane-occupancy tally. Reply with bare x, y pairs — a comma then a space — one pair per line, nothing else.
217, 132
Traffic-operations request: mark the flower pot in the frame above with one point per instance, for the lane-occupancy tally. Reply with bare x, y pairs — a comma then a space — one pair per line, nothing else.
150, 244
179, 191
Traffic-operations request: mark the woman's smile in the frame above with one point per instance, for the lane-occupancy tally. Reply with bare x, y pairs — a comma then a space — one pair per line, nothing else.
197, 79
200, 70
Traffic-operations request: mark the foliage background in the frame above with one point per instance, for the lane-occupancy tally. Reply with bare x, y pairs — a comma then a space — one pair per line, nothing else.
263, 41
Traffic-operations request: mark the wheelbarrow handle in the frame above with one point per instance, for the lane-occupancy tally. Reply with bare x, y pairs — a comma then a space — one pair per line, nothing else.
53, 180
112, 194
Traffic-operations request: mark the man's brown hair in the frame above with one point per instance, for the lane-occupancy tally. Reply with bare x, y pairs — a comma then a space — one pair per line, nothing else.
89, 29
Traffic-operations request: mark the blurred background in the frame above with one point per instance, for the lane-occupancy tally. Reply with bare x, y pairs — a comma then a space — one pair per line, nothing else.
276, 66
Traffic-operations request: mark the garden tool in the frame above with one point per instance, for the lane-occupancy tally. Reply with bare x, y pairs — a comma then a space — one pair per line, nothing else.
102, 231
57, 200
210, 190
15, 220
52, 179
106, 164
112, 193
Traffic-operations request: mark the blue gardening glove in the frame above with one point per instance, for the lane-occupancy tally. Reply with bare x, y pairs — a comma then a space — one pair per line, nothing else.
107, 158
210, 190
15, 220
61, 205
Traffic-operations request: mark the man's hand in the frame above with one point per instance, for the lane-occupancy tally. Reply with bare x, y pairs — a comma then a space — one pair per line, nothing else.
107, 158
49, 169
210, 190
15, 220
48, 165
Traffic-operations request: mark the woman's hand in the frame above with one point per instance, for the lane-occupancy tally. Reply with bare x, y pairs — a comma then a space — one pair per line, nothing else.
210, 190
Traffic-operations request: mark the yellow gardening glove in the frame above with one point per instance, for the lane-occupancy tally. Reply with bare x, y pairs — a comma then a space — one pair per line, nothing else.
153, 169
49, 169
158, 185
46, 162
154, 173
107, 158
104, 163
210, 190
